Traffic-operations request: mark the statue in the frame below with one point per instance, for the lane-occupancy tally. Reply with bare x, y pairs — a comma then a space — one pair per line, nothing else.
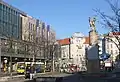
92, 23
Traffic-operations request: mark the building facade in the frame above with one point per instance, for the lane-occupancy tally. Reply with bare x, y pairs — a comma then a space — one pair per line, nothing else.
29, 28
65, 48
110, 46
73, 50
78, 54
22, 30
10, 21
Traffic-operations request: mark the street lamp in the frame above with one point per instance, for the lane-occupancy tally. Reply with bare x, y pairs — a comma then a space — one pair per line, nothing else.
53, 56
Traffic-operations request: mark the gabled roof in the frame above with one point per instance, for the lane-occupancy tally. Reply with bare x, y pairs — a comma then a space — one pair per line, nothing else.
114, 33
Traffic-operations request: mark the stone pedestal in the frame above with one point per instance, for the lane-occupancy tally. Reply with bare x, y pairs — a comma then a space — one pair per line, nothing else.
93, 53
93, 66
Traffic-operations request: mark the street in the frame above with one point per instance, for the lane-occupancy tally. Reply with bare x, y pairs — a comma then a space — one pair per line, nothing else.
61, 78
82, 78
77, 77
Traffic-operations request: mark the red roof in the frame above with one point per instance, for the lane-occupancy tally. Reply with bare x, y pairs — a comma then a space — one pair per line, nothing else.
114, 33
87, 40
65, 41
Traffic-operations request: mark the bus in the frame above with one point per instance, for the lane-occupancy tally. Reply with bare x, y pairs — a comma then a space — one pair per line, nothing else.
21, 66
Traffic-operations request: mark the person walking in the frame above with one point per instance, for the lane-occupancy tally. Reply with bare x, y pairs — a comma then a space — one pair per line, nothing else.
27, 74
32, 71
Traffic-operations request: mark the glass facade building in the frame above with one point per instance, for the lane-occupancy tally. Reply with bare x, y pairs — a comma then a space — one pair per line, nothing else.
10, 21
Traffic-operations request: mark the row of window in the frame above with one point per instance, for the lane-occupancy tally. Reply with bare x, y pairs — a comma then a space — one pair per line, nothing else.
8, 9
32, 26
77, 55
109, 46
8, 17
9, 21
112, 51
9, 29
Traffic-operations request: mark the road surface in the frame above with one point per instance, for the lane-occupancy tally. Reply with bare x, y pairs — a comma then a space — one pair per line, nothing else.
72, 78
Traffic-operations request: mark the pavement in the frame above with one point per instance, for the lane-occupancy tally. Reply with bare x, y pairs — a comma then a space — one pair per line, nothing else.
50, 74
63, 77
79, 77
2, 74
7, 78
19, 78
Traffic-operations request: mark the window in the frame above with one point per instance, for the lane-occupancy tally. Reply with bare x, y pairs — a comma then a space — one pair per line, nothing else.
77, 50
107, 51
3, 7
111, 46
116, 52
107, 46
7, 16
0, 6
64, 55
29, 26
111, 51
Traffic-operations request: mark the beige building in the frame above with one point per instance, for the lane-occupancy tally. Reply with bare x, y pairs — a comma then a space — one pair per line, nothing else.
78, 53
28, 28
39, 31
73, 50
52, 35
111, 48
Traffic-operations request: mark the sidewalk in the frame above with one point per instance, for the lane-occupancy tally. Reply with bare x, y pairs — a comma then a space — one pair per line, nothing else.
46, 73
2, 74
7, 78
17, 77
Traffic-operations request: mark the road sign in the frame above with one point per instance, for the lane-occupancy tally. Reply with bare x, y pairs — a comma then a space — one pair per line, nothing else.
104, 56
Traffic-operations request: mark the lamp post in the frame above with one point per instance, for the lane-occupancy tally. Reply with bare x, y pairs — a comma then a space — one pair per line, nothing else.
53, 56
11, 50
53, 60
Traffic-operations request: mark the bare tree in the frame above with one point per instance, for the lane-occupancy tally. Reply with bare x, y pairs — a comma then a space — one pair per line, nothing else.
111, 22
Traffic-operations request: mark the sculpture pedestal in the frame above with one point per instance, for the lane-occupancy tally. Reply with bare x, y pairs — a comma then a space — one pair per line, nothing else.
93, 66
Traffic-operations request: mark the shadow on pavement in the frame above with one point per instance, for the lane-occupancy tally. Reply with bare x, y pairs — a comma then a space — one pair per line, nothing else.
47, 79
75, 78
52, 79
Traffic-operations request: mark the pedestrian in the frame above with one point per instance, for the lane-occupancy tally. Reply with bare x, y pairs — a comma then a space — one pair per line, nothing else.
9, 69
27, 74
32, 71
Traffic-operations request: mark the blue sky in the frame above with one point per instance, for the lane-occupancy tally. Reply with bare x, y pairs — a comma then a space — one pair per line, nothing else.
65, 16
